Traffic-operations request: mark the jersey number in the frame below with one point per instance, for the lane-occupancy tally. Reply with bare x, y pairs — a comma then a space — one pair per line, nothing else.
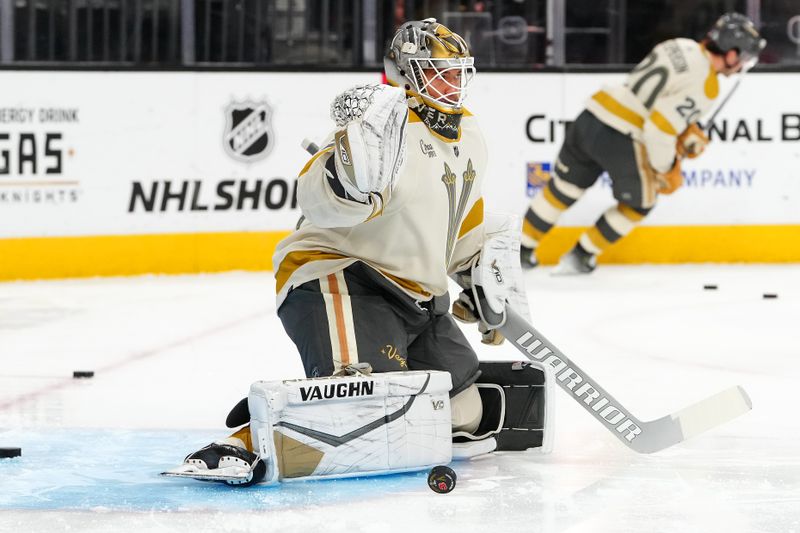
688, 110
659, 74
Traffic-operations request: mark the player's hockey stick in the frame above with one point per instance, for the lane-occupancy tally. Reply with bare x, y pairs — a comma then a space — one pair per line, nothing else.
641, 436
710, 120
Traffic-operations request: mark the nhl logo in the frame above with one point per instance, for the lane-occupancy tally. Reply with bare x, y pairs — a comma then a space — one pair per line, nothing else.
248, 131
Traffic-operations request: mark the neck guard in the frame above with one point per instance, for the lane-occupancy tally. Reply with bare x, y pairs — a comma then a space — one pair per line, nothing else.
443, 124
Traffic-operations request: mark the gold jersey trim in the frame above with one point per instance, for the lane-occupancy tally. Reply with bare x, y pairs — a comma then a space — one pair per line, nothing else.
711, 86
295, 260
314, 158
409, 285
611, 105
473, 219
662, 123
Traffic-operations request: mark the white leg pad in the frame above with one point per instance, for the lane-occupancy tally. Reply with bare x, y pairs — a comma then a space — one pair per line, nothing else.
352, 425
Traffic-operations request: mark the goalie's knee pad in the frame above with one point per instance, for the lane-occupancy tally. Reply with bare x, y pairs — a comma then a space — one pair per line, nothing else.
351, 425
466, 410
517, 407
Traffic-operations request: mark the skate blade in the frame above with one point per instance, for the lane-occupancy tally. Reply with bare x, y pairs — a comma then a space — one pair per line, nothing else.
228, 474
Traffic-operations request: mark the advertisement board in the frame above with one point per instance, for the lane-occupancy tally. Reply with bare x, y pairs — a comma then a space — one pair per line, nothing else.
130, 172
748, 175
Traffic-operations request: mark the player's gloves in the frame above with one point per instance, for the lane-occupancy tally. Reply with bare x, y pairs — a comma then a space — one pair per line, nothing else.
671, 180
692, 142
490, 281
465, 310
370, 145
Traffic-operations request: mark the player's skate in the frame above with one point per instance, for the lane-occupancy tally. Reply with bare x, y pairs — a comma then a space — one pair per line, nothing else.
527, 257
576, 261
227, 461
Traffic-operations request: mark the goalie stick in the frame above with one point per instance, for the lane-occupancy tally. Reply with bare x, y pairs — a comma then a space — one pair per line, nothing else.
639, 435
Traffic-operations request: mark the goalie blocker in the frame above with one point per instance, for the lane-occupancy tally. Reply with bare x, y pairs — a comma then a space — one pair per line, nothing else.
390, 422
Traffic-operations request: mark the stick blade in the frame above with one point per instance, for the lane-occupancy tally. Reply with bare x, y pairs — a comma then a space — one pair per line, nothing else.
713, 411
706, 414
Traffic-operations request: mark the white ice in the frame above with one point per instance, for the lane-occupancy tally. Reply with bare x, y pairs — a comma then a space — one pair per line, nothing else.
172, 354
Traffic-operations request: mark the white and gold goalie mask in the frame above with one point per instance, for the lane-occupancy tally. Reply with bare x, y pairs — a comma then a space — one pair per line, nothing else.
422, 52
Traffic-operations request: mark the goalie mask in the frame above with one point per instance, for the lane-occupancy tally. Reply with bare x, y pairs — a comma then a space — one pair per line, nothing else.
428, 59
734, 31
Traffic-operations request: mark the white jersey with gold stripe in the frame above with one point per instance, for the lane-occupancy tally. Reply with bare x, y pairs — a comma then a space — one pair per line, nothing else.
673, 87
428, 226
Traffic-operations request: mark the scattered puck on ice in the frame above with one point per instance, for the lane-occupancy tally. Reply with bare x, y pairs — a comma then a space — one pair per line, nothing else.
442, 479
7, 453
709, 287
770, 295
83, 374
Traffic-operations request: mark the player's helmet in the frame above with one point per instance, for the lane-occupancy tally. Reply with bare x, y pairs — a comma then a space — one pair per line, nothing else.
734, 31
426, 45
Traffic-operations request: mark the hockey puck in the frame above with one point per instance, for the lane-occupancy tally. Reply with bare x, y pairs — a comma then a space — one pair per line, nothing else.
83, 374
7, 453
709, 287
442, 479
769, 295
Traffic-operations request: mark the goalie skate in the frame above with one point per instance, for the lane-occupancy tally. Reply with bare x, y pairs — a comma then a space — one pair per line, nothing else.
232, 476
221, 462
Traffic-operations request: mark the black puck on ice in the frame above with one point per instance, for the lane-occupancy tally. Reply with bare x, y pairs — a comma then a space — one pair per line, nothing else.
442, 479
770, 295
7, 453
709, 287
83, 374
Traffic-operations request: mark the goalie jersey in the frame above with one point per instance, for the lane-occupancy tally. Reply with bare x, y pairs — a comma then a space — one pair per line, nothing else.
428, 226
672, 88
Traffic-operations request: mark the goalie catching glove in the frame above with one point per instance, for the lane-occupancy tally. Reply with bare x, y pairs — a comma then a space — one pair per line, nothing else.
370, 146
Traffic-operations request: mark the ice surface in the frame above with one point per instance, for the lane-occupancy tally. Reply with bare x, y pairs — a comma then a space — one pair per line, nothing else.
172, 354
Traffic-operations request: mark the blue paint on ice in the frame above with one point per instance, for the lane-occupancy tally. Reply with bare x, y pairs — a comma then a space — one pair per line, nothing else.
119, 470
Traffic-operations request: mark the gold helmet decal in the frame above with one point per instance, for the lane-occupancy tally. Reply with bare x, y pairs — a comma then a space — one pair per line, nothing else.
447, 44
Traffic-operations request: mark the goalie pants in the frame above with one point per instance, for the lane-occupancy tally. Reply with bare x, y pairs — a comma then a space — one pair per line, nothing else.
357, 316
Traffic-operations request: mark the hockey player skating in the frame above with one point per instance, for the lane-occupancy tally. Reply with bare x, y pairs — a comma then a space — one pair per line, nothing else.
638, 132
392, 207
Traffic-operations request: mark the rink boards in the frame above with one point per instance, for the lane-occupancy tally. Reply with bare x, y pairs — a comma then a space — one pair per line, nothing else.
134, 172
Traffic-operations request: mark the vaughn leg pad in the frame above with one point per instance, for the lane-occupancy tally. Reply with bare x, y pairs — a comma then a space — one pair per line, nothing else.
351, 425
